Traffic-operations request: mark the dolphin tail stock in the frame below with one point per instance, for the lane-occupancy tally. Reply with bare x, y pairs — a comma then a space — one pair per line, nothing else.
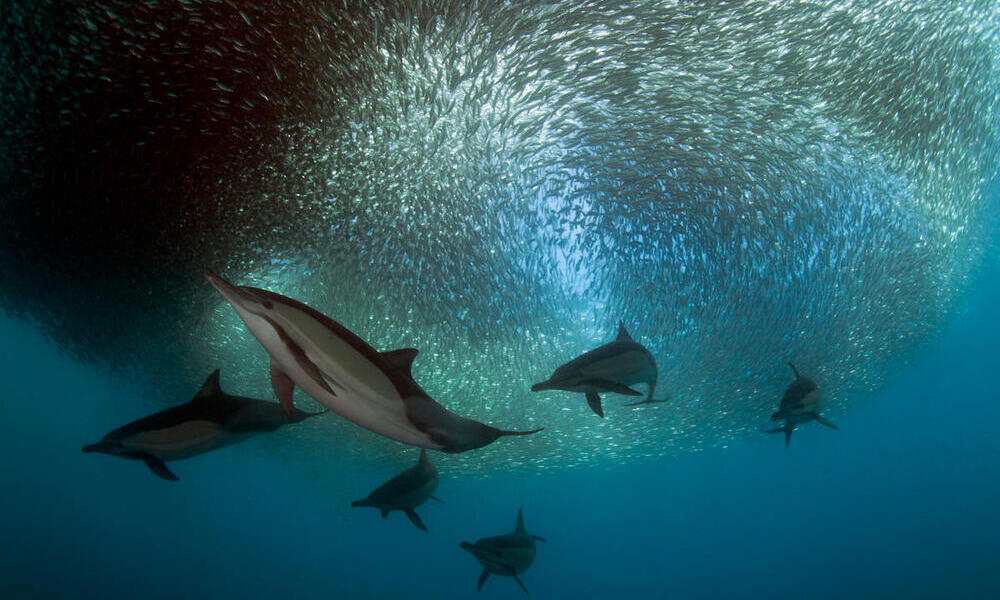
594, 401
482, 579
415, 519
824, 421
520, 583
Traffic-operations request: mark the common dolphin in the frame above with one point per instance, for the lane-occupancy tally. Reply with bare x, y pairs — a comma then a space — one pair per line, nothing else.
609, 368
341, 371
506, 555
211, 420
405, 491
800, 404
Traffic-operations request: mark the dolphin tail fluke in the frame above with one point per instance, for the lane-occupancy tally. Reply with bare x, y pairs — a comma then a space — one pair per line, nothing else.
641, 402
415, 519
283, 388
788, 428
824, 421
594, 400
482, 579
158, 467
520, 583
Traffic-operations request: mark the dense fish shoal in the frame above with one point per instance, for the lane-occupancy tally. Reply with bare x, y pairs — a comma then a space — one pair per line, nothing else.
499, 186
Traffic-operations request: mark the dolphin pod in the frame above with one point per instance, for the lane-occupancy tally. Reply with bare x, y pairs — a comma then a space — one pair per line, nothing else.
212, 419
377, 391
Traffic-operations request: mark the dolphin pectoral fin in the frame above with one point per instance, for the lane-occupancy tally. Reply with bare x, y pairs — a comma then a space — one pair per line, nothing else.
415, 519
482, 579
540, 538
520, 583
283, 387
157, 466
594, 400
824, 421
611, 386
437, 499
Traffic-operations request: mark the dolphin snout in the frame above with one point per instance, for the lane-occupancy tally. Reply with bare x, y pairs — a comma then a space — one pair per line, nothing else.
544, 385
466, 546
98, 447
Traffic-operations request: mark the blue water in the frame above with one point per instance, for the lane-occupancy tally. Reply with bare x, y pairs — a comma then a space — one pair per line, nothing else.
900, 503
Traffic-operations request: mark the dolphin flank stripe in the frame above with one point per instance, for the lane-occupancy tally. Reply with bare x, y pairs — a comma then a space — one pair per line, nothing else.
403, 386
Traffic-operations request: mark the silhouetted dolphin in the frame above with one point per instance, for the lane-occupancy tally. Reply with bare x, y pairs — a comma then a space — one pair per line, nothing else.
610, 368
342, 372
211, 420
506, 555
405, 491
800, 404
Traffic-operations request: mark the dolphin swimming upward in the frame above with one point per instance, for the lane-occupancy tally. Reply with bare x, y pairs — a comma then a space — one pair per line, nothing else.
211, 420
405, 491
800, 404
609, 368
342, 372
506, 555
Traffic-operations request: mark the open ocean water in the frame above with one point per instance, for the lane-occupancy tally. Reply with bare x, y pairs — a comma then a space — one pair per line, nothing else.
741, 184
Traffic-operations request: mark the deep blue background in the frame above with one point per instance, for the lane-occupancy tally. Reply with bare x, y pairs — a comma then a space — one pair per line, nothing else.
901, 502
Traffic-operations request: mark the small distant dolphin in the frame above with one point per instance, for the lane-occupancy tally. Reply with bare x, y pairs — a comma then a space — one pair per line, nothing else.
212, 419
341, 371
406, 491
800, 404
609, 368
505, 555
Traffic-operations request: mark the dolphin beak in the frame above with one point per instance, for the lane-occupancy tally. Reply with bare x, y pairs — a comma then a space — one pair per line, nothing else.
540, 386
466, 546
98, 447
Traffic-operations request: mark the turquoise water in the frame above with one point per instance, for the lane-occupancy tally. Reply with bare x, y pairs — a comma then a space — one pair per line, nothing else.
498, 185
899, 503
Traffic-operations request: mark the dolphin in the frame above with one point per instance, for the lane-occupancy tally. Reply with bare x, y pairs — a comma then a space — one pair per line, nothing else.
338, 369
212, 419
406, 491
609, 368
800, 404
506, 555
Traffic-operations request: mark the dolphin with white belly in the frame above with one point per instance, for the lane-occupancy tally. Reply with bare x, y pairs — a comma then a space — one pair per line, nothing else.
506, 555
212, 419
612, 367
406, 491
338, 369
800, 403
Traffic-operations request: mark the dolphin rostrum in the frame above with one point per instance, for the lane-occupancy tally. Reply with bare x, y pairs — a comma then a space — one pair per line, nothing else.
405, 491
609, 368
800, 404
211, 420
506, 555
342, 372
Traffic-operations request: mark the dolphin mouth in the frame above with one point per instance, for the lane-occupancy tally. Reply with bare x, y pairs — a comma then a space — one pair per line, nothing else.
236, 295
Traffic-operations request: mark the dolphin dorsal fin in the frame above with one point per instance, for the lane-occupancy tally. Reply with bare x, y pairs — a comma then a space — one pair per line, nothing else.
210, 389
520, 520
622, 333
401, 359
